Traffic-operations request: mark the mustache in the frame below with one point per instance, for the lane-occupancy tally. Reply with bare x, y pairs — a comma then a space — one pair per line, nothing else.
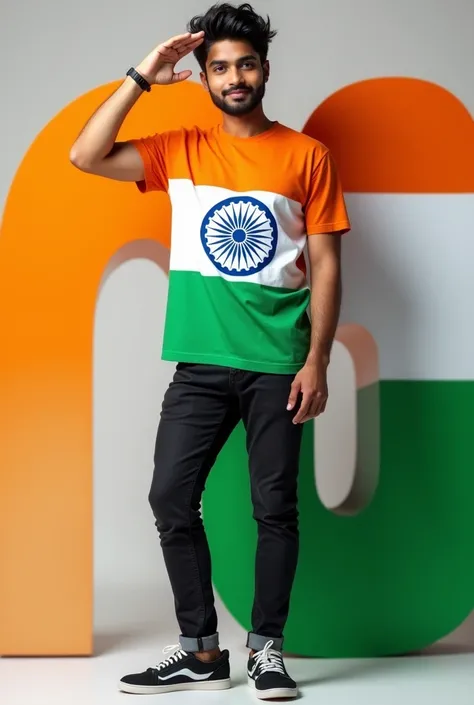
237, 88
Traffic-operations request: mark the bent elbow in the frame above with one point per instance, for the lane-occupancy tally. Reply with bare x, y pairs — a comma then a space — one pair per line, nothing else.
79, 160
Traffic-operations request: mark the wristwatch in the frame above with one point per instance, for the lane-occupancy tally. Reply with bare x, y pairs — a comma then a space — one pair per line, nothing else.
138, 78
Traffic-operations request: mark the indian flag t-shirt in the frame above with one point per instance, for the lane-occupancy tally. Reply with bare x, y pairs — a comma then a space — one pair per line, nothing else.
242, 209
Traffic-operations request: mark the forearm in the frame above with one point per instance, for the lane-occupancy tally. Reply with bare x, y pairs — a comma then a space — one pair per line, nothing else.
326, 295
98, 137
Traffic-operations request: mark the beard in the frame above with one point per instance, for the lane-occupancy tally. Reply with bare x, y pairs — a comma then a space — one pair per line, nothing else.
242, 106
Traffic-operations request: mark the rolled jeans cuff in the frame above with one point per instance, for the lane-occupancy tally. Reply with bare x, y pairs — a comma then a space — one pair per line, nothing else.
257, 642
202, 643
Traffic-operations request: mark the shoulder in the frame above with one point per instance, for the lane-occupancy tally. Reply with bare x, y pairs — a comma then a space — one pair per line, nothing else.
303, 143
179, 136
187, 135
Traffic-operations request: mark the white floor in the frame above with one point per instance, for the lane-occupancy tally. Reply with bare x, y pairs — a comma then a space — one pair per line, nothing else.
133, 641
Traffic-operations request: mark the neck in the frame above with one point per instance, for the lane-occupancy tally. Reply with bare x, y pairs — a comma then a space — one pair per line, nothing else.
246, 125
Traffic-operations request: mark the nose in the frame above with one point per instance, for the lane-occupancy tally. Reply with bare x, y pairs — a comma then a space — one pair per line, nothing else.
234, 76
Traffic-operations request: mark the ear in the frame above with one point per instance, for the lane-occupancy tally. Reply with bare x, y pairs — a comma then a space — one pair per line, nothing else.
266, 70
204, 80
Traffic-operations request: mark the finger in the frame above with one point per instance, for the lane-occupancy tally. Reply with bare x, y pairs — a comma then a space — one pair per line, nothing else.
175, 53
304, 408
306, 419
193, 39
312, 412
314, 409
181, 76
317, 408
183, 39
170, 51
293, 398
173, 41
188, 48
183, 49
321, 400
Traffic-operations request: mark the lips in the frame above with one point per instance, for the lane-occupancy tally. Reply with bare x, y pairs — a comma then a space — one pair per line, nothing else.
239, 92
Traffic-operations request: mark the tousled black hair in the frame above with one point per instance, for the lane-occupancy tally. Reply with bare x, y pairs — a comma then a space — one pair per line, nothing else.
226, 21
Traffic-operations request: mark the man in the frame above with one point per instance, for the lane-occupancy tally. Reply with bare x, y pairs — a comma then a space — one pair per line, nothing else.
247, 196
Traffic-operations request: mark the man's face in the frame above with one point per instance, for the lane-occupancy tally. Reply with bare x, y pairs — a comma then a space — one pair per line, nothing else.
235, 77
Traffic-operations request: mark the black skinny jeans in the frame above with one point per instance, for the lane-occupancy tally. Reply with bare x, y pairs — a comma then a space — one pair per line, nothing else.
201, 408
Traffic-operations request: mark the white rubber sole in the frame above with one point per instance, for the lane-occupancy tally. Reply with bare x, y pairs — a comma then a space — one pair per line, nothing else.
156, 689
274, 693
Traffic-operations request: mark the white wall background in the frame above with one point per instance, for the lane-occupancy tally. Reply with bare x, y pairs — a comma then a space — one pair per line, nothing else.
55, 50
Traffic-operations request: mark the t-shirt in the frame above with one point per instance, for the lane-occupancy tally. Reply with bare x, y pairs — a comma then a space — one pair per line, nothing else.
242, 209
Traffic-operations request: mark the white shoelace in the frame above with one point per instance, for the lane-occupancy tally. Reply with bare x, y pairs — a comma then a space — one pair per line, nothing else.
269, 660
177, 654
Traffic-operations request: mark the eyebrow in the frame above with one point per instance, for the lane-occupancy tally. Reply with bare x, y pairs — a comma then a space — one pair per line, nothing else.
248, 57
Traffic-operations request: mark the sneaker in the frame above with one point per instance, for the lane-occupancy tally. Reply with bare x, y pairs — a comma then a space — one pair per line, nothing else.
267, 675
180, 671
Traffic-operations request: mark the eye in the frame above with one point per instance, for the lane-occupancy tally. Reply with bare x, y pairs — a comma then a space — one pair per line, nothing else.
219, 69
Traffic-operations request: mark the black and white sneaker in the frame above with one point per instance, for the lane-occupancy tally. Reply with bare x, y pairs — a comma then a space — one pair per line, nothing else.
180, 671
267, 675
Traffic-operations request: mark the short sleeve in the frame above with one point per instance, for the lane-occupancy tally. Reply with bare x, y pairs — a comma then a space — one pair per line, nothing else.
153, 151
325, 209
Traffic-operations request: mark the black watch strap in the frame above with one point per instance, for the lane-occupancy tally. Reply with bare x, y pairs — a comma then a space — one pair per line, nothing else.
142, 82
